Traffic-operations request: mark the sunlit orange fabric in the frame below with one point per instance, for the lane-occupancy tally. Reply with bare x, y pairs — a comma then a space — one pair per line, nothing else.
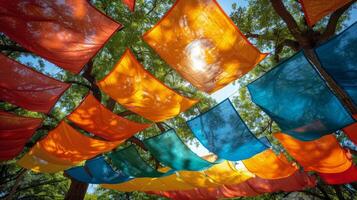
351, 132
348, 176
130, 4
72, 147
38, 160
324, 155
270, 166
27, 88
202, 43
68, 33
226, 173
93, 117
315, 10
139, 91
15, 131
252, 187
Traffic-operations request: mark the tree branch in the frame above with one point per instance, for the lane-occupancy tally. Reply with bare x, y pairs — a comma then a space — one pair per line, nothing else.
79, 83
281, 10
333, 21
287, 42
252, 35
88, 75
154, 3
126, 113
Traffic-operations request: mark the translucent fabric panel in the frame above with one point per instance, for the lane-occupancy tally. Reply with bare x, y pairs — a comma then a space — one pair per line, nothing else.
68, 33
169, 149
15, 131
252, 187
27, 88
71, 147
97, 171
267, 165
315, 10
129, 161
227, 173
93, 117
338, 57
139, 91
130, 4
324, 155
351, 132
201, 42
186, 180
348, 176
298, 100
38, 160
167, 183
223, 132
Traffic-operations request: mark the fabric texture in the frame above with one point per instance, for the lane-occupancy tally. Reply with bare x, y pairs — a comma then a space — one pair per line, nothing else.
139, 91
338, 57
93, 117
130, 162
315, 10
348, 176
267, 165
65, 146
223, 132
15, 131
199, 41
298, 100
130, 4
97, 171
172, 152
252, 187
67, 33
27, 88
187, 180
324, 155
351, 132
38, 160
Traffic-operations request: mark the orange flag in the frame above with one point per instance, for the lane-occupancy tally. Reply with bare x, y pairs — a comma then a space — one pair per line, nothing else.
315, 10
267, 165
202, 43
66, 146
139, 91
324, 155
130, 4
93, 117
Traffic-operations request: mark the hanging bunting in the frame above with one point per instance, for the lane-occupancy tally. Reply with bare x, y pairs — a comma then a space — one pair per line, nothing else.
38, 160
27, 88
15, 132
97, 171
67, 33
130, 4
93, 117
348, 176
223, 132
169, 149
267, 165
294, 95
139, 91
202, 43
324, 155
64, 146
187, 180
130, 162
252, 187
338, 58
315, 10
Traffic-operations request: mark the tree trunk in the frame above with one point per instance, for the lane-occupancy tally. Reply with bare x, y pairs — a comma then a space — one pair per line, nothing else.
77, 190
341, 94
